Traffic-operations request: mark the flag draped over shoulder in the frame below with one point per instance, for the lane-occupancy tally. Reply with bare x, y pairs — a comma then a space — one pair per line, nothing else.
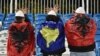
20, 45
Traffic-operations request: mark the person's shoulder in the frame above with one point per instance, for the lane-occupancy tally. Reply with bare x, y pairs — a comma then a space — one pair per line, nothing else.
60, 22
92, 20
70, 20
27, 23
12, 24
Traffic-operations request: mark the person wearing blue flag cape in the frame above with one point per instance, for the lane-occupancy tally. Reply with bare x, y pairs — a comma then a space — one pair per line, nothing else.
51, 37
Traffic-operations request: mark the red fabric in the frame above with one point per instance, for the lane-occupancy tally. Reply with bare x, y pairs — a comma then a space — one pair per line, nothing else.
75, 38
28, 48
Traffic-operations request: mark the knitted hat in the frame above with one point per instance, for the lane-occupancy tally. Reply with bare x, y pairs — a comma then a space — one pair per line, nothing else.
80, 10
52, 12
19, 13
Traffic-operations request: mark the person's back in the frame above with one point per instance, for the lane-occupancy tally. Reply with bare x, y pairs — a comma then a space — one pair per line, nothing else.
80, 32
51, 37
21, 37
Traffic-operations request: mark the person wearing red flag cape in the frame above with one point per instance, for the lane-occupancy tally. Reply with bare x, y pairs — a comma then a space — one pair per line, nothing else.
80, 32
21, 39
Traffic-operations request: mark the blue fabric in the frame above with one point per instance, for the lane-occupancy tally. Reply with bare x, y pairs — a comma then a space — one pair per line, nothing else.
50, 24
58, 44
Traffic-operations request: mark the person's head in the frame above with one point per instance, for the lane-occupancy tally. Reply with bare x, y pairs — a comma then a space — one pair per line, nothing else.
80, 15
83, 20
20, 16
52, 16
79, 11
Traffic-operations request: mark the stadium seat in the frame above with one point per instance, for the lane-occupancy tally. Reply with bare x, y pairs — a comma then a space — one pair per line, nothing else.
31, 18
66, 17
10, 17
40, 18
89, 15
8, 20
1, 19
97, 19
98, 48
97, 38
